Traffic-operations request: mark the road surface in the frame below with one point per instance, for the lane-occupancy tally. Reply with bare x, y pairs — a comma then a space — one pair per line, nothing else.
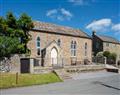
94, 83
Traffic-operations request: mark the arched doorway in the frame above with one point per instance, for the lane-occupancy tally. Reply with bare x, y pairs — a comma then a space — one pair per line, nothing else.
54, 55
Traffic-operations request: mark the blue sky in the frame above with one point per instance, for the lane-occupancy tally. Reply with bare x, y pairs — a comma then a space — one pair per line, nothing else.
87, 15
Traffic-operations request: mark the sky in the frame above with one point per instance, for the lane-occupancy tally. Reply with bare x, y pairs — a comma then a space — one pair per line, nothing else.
103, 16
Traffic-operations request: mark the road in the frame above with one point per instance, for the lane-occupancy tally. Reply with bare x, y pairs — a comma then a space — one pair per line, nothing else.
94, 83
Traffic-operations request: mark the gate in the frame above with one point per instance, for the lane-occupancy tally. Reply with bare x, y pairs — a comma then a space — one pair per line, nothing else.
25, 65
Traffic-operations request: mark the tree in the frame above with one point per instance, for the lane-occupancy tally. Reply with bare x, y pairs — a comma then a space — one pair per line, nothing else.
113, 56
106, 54
13, 27
14, 36
25, 23
8, 46
11, 20
14, 32
3, 26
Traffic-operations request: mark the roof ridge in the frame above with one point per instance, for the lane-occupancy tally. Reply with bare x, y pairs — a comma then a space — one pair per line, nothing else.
69, 27
50, 27
109, 36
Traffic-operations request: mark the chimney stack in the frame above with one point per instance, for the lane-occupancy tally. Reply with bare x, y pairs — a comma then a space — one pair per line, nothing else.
93, 33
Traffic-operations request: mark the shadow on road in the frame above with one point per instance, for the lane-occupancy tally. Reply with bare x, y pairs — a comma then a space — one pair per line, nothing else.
109, 86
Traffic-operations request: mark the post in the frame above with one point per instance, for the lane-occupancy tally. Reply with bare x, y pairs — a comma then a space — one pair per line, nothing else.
105, 60
31, 65
17, 78
116, 63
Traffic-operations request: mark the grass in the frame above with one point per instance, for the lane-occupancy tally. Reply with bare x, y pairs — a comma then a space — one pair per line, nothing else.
9, 80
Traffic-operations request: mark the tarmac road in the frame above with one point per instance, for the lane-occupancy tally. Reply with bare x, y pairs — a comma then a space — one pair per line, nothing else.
93, 83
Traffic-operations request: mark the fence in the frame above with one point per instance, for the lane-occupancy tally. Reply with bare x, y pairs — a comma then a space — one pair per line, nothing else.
98, 60
59, 62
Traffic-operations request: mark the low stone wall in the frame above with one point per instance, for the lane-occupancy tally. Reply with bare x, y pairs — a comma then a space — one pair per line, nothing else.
83, 68
10, 65
38, 70
80, 68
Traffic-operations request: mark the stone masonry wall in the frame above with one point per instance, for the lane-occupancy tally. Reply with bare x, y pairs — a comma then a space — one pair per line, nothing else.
46, 38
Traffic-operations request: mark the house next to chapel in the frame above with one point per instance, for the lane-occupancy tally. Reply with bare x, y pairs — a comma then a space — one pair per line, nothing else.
105, 43
54, 44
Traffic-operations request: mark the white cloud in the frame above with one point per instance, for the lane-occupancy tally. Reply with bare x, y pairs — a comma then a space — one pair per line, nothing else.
100, 25
77, 2
51, 12
82, 2
116, 27
66, 13
59, 14
105, 25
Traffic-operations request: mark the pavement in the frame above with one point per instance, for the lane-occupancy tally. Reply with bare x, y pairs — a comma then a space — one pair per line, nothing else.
92, 83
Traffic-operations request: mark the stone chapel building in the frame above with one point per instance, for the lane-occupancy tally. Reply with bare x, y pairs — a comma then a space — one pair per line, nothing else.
54, 44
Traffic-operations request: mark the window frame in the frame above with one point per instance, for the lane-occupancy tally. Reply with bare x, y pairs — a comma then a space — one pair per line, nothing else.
107, 44
86, 46
73, 48
38, 45
59, 42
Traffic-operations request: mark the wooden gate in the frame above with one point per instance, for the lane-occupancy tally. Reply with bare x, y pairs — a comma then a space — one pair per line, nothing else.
25, 65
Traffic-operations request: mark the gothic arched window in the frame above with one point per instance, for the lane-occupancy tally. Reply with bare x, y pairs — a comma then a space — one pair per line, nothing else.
85, 49
38, 46
73, 48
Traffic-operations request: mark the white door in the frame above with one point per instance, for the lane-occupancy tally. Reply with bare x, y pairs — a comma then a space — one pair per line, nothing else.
54, 55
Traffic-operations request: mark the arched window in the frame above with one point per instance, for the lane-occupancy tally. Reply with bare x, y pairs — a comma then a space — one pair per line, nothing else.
38, 46
85, 49
38, 42
73, 48
59, 42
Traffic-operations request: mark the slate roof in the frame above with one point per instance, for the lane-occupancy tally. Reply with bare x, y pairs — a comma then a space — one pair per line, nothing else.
53, 28
108, 39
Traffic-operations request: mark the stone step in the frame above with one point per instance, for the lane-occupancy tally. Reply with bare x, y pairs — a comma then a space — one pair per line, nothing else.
63, 74
111, 68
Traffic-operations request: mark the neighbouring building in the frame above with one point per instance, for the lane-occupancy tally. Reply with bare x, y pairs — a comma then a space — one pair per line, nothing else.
54, 44
105, 43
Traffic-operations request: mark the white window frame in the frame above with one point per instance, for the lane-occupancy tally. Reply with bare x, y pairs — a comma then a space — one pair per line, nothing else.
73, 47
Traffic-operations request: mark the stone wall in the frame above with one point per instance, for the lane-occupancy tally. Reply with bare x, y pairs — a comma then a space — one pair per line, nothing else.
80, 68
10, 65
113, 48
46, 38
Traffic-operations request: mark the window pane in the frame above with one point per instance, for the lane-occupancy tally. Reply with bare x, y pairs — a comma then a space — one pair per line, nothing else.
85, 45
74, 52
38, 44
74, 46
85, 53
59, 42
107, 44
38, 38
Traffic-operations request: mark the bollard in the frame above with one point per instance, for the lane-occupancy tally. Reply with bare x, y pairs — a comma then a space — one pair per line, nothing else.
17, 78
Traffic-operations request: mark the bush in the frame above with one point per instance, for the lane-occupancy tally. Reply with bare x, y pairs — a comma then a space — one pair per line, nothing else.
111, 57
106, 54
